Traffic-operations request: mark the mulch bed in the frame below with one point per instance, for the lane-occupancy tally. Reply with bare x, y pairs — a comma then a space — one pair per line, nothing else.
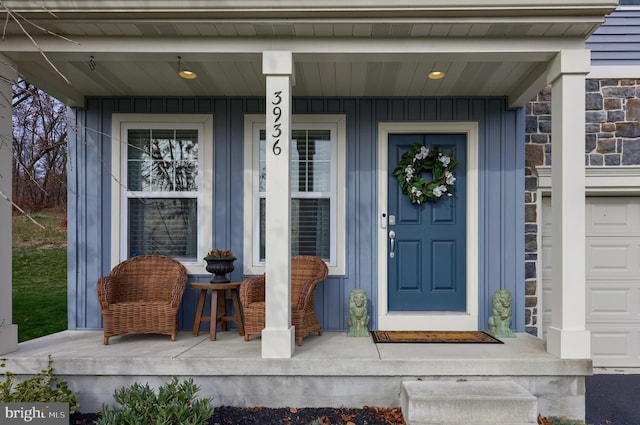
226, 415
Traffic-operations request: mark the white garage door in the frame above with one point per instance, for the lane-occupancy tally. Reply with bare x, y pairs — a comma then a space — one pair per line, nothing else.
613, 278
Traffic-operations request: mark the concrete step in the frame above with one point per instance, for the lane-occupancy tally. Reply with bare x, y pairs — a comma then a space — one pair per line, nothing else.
467, 402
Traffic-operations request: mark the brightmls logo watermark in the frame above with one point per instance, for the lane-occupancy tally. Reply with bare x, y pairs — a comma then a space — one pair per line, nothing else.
34, 413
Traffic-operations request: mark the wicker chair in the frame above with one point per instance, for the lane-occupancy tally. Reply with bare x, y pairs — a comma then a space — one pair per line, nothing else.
142, 295
306, 273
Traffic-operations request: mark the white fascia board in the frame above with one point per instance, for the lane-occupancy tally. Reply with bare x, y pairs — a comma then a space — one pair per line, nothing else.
124, 6
616, 72
600, 180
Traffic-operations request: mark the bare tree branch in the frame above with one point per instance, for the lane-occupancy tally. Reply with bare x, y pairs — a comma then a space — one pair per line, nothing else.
21, 210
19, 19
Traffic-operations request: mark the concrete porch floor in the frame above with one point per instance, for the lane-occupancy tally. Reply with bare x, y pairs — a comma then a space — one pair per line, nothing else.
331, 370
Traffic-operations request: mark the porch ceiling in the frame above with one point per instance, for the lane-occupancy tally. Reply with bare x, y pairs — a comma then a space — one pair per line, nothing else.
361, 49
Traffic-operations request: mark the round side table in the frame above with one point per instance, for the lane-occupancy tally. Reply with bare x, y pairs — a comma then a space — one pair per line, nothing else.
218, 307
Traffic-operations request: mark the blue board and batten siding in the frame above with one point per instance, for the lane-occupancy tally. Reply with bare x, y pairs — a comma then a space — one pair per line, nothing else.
501, 192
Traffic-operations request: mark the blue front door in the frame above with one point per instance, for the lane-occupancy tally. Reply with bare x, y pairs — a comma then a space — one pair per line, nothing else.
427, 269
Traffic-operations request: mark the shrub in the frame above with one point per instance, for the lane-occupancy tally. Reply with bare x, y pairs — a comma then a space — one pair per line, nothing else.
564, 421
175, 404
554, 420
43, 387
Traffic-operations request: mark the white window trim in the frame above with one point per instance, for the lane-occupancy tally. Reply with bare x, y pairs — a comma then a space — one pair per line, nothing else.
118, 185
252, 266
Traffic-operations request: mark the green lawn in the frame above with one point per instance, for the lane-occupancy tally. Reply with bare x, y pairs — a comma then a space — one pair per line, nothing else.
39, 276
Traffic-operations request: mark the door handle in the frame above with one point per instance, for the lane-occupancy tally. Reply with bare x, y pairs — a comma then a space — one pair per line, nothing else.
392, 237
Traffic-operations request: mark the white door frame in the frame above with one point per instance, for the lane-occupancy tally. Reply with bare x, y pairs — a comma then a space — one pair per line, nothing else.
429, 320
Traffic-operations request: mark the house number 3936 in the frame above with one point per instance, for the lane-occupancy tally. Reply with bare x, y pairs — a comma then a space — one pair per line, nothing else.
276, 130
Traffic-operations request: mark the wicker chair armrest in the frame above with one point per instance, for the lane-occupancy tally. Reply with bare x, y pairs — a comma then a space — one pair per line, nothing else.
177, 291
306, 294
112, 288
105, 294
252, 290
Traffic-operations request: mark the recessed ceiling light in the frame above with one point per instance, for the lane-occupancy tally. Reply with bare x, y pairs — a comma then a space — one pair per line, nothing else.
436, 75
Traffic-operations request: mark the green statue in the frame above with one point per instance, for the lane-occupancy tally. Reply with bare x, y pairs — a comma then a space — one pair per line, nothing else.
500, 319
358, 315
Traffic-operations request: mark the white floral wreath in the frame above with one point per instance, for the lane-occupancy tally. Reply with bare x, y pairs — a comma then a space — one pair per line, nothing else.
418, 159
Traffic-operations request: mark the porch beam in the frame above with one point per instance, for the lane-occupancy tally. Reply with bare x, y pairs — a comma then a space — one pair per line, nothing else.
487, 49
567, 336
278, 335
8, 331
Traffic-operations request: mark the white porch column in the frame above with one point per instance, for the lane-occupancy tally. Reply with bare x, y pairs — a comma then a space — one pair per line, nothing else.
567, 337
278, 336
8, 331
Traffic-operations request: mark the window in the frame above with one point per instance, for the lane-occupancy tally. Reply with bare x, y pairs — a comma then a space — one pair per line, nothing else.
162, 192
161, 207
317, 190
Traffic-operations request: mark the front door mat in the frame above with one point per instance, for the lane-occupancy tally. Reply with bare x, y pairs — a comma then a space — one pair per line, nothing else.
434, 337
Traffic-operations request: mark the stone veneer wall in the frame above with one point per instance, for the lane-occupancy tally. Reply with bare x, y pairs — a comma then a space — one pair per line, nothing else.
612, 139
